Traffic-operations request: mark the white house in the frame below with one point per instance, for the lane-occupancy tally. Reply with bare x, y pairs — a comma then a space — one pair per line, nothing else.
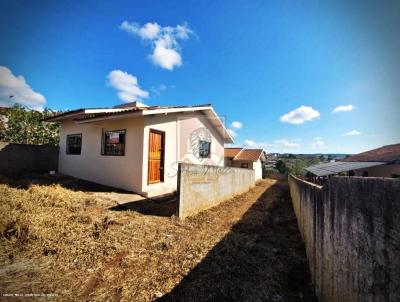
136, 147
245, 158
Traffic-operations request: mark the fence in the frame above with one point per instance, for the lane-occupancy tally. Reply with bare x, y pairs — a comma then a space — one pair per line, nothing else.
201, 187
351, 228
19, 158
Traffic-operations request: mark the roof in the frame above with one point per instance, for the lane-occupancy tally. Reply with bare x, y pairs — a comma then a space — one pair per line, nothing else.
231, 152
96, 114
249, 154
388, 154
337, 167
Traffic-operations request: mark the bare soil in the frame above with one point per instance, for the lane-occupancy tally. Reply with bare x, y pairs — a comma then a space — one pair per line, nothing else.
75, 245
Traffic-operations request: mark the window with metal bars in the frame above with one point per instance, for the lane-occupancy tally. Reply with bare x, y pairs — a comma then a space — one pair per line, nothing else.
74, 144
113, 142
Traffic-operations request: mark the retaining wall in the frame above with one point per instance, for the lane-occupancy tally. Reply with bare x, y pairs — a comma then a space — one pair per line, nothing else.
201, 187
18, 159
351, 228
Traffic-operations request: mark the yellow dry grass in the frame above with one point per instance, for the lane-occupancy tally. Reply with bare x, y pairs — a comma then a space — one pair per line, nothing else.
70, 244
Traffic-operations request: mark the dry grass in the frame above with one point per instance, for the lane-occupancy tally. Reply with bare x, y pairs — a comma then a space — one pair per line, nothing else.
54, 240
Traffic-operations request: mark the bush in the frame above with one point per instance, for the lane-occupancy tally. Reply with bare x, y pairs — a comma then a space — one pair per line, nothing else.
21, 125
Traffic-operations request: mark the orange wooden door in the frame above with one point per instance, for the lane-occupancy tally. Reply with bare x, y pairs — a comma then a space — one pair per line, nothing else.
156, 157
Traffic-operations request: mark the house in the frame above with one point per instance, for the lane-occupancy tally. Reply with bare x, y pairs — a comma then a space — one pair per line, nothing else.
245, 158
380, 162
388, 156
138, 147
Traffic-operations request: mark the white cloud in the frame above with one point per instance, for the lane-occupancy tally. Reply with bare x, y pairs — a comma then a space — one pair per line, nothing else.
352, 133
158, 89
253, 144
286, 143
300, 115
318, 143
164, 41
18, 88
232, 132
344, 108
236, 125
126, 85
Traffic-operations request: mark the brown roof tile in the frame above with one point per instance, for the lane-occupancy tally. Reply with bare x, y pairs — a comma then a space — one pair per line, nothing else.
231, 152
249, 154
389, 153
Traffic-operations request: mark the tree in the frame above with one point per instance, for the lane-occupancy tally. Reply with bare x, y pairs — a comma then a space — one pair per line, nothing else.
21, 125
281, 167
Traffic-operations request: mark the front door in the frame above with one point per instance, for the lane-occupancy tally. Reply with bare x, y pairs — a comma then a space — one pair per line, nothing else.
156, 157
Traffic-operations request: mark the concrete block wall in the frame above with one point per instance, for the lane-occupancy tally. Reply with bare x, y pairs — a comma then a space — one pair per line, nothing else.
351, 229
201, 187
16, 159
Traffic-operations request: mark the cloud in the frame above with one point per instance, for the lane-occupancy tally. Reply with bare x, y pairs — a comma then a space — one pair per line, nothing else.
164, 41
300, 115
158, 89
318, 144
352, 133
343, 108
126, 85
253, 144
18, 88
236, 125
286, 143
232, 132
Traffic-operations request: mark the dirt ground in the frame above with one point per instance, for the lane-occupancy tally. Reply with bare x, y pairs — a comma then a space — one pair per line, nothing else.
72, 245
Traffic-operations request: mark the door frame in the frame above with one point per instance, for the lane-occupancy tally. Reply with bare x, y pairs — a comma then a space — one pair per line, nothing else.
162, 170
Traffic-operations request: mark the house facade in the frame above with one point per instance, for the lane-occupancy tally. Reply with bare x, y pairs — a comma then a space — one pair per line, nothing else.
137, 147
246, 159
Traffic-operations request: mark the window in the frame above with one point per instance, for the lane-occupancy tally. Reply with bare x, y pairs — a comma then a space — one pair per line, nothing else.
244, 165
74, 143
113, 143
204, 149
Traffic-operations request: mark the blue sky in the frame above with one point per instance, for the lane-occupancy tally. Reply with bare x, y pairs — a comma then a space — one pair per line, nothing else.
256, 62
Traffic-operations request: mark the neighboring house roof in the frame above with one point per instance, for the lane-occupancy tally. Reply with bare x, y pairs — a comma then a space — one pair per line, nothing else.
96, 114
231, 152
237, 153
337, 167
387, 154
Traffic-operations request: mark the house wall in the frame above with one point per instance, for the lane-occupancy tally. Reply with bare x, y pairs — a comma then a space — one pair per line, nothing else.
379, 171
178, 129
257, 166
123, 172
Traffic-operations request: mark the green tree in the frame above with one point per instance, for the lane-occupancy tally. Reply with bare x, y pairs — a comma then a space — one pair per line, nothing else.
281, 166
21, 125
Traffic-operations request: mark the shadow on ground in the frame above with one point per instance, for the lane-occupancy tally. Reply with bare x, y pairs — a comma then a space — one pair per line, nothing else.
68, 182
163, 206
262, 258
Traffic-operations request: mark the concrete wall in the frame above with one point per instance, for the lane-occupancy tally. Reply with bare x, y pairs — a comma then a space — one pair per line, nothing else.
201, 187
17, 159
351, 228
256, 166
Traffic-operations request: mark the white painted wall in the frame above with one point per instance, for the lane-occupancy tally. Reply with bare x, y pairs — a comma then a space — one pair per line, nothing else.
117, 171
177, 127
129, 172
257, 167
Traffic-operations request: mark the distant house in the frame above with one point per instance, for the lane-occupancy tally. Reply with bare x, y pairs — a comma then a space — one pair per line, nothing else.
245, 158
380, 162
137, 147
388, 156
